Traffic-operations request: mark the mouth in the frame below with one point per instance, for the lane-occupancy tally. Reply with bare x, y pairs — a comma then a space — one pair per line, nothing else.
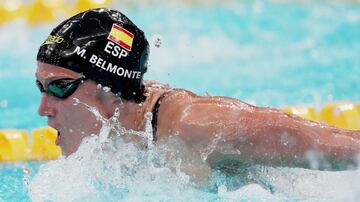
57, 141
53, 125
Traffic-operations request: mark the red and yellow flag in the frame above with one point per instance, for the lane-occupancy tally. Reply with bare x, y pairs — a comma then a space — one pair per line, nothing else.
121, 36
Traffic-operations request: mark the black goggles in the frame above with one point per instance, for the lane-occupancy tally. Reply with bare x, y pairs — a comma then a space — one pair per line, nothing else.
60, 88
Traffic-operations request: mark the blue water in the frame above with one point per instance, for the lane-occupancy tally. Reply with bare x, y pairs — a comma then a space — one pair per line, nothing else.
260, 52
12, 181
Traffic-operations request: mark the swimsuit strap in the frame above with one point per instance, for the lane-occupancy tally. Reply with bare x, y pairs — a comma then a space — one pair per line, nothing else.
155, 114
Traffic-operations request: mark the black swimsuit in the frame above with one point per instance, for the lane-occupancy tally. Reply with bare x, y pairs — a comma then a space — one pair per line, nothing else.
155, 115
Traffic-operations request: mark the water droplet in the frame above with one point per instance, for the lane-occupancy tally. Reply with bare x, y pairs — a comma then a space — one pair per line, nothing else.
118, 94
106, 89
222, 189
27, 170
117, 112
116, 115
148, 115
76, 101
157, 41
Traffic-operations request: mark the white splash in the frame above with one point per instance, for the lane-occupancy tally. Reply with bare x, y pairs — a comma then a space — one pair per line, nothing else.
304, 184
107, 168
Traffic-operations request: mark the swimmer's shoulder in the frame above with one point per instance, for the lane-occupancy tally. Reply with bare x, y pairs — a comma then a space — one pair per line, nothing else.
181, 110
169, 95
176, 102
173, 104
181, 99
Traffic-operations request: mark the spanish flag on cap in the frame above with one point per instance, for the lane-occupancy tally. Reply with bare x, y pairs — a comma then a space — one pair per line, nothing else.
121, 36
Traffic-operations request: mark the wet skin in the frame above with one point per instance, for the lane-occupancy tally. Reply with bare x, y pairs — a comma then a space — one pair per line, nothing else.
72, 127
241, 132
74, 122
210, 129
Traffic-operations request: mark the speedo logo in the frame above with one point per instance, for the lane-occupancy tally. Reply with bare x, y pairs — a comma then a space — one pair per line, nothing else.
53, 39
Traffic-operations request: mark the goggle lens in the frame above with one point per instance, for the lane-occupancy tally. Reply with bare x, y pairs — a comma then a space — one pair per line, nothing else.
61, 88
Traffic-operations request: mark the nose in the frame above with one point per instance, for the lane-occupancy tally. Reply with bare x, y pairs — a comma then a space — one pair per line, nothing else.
46, 107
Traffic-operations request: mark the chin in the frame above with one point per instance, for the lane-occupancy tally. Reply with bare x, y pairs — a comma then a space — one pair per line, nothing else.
67, 152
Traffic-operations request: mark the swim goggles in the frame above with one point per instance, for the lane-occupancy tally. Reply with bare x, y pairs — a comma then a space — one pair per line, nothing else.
60, 88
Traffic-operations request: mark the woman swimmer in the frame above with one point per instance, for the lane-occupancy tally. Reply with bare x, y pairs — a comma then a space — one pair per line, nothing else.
102, 46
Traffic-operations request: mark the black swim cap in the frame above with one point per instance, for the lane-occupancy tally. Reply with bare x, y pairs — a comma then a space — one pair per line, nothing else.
103, 45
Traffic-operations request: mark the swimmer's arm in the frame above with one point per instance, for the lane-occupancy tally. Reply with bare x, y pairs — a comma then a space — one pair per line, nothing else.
229, 128
273, 137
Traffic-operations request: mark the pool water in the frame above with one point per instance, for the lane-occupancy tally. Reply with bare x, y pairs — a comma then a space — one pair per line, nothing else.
269, 54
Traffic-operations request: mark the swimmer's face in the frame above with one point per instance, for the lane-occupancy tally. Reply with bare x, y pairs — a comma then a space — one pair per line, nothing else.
73, 122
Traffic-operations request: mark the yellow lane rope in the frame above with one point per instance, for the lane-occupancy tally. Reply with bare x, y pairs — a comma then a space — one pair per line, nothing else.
15, 145
340, 114
44, 11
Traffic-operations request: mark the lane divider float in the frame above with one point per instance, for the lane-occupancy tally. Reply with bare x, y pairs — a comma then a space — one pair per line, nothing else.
15, 145
44, 11
340, 114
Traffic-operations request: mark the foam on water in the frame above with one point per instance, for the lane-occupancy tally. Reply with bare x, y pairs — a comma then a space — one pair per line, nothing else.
110, 166
303, 184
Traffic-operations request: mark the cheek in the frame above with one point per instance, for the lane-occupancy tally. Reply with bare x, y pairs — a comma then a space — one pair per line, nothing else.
79, 119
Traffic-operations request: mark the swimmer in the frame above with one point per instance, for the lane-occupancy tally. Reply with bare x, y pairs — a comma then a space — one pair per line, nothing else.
102, 48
